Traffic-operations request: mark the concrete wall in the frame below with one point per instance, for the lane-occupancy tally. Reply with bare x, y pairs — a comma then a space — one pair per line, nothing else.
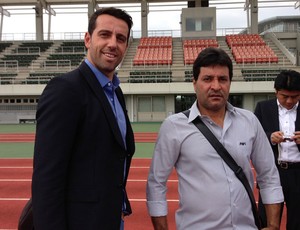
198, 13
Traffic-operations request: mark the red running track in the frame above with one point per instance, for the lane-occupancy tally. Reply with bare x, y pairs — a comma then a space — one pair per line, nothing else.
29, 137
15, 182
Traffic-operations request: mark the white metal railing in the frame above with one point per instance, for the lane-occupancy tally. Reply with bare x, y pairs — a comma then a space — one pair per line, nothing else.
80, 35
9, 66
9, 81
51, 37
57, 64
69, 49
28, 50
32, 80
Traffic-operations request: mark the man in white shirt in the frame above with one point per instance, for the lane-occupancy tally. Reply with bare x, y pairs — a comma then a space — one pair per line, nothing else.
210, 195
280, 118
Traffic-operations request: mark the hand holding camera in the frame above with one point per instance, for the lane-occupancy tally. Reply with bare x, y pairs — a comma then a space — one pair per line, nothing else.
278, 137
288, 138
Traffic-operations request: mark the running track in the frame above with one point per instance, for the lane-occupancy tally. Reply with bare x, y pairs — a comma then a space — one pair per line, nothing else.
29, 137
15, 182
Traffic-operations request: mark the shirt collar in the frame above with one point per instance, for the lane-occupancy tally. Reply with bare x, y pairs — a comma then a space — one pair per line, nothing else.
103, 80
282, 109
194, 111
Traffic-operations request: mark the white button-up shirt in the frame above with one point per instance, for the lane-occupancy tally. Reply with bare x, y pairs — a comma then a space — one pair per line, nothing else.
288, 151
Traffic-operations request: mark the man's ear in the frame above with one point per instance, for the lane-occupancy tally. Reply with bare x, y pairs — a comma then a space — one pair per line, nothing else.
87, 40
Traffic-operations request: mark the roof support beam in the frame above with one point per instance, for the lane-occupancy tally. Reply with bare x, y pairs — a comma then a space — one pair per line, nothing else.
247, 5
4, 12
47, 7
95, 4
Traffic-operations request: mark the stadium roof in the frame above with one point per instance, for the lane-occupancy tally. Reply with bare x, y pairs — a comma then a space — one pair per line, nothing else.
54, 7
240, 3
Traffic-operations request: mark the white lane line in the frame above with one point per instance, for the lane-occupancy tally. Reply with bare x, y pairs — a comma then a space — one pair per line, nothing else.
15, 167
29, 180
144, 200
134, 200
139, 167
13, 199
144, 180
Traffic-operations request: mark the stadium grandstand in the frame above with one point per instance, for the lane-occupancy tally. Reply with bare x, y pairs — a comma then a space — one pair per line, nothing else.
156, 73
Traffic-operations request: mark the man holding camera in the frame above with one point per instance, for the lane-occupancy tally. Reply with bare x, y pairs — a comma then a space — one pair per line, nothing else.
280, 118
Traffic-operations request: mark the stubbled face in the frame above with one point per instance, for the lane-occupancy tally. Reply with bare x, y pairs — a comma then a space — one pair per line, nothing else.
212, 88
107, 44
288, 99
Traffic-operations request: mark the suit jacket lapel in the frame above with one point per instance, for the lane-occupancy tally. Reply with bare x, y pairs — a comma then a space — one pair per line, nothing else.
273, 121
297, 122
98, 91
274, 112
129, 134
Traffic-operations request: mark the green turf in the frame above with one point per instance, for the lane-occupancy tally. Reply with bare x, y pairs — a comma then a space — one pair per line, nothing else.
17, 128
144, 150
25, 150
16, 150
25, 128
146, 126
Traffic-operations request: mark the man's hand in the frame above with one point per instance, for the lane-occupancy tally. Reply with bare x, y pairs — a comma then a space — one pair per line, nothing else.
277, 137
296, 137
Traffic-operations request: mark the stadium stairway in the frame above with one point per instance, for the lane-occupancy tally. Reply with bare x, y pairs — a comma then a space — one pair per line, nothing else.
127, 63
178, 64
39, 62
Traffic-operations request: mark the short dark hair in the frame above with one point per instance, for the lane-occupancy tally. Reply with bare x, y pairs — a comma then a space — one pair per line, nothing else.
287, 80
118, 13
212, 56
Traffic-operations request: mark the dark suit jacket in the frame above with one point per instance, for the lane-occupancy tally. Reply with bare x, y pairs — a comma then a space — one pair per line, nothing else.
267, 114
78, 178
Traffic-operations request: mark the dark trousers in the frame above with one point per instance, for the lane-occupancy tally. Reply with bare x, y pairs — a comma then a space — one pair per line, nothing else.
290, 182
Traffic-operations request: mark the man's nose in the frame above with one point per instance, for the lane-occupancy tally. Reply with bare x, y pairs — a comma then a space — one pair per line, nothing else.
215, 84
112, 41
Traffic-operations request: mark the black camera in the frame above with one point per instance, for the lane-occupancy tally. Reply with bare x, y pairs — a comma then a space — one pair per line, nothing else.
287, 138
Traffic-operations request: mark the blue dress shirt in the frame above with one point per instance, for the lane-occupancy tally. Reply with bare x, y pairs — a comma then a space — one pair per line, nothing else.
109, 88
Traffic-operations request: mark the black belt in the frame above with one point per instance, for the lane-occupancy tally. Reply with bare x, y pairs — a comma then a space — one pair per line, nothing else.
289, 165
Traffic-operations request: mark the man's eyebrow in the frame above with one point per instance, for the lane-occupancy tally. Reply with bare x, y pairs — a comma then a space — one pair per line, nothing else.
285, 95
104, 31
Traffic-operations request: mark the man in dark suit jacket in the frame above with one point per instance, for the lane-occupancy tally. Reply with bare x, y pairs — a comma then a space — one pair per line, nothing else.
280, 118
84, 141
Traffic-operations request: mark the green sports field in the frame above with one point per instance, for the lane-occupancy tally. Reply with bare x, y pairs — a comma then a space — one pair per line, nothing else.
25, 150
